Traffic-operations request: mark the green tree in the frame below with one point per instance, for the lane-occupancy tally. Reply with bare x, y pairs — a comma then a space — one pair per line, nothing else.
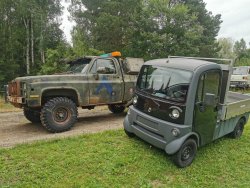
226, 48
148, 28
240, 47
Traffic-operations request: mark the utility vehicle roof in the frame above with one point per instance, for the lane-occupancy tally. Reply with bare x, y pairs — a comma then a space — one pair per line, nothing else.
181, 63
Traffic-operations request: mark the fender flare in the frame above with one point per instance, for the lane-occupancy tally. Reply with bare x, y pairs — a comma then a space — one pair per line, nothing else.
175, 145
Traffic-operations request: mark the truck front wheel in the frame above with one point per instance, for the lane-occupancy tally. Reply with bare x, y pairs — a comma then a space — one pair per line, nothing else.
186, 154
59, 114
238, 130
32, 115
116, 109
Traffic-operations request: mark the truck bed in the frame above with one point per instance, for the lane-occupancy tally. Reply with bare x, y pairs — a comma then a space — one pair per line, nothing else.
237, 104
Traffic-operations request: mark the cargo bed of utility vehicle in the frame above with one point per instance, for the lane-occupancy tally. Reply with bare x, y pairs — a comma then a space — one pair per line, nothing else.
237, 104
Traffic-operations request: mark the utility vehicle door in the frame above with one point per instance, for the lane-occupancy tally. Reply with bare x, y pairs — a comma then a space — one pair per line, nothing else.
205, 115
105, 82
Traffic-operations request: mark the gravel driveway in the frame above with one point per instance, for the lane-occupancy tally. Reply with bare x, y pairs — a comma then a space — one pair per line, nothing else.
15, 129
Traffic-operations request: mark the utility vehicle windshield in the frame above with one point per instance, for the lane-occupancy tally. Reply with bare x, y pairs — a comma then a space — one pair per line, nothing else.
166, 83
241, 70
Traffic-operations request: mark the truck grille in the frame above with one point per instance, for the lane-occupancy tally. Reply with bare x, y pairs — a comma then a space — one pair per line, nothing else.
14, 89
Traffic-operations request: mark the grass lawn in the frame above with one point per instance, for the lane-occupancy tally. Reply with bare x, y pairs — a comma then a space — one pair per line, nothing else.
111, 159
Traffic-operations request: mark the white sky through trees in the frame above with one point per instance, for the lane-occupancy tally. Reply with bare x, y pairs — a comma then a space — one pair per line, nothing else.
235, 16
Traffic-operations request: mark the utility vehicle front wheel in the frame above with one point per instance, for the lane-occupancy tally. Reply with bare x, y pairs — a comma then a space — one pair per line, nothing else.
59, 114
129, 134
32, 115
186, 154
116, 109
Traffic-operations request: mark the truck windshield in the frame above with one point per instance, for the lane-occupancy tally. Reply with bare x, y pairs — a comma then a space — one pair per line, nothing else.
166, 83
77, 68
240, 70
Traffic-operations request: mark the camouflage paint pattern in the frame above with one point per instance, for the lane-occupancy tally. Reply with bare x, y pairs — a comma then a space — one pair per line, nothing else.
85, 89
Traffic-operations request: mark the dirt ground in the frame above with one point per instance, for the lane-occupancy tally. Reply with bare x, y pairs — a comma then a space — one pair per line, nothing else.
16, 129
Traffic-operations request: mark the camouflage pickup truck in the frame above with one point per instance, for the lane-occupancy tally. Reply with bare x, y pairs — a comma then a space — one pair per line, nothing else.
90, 81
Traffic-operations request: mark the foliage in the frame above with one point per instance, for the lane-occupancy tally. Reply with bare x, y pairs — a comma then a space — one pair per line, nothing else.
149, 29
226, 48
53, 62
111, 159
27, 29
242, 53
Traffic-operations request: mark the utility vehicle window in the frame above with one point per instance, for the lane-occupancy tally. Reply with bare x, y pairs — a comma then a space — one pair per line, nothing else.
240, 70
103, 66
166, 83
208, 83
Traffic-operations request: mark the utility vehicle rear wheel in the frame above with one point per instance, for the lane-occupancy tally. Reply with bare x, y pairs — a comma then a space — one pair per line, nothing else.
186, 154
238, 130
116, 109
59, 114
32, 115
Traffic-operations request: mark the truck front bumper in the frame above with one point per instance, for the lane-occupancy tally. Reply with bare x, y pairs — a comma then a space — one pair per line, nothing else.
155, 131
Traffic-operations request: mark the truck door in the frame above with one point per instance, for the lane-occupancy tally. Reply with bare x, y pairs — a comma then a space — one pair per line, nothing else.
105, 82
205, 116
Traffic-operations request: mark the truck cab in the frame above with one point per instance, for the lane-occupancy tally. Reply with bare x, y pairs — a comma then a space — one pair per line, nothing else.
181, 104
90, 81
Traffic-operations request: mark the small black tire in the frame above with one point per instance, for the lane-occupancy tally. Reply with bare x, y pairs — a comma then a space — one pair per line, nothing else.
238, 130
32, 115
129, 134
59, 114
116, 109
186, 154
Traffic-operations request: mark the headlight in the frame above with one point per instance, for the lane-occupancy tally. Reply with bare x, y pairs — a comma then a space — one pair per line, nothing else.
175, 114
135, 100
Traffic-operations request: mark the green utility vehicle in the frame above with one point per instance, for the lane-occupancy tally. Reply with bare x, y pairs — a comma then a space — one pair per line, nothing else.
90, 81
182, 103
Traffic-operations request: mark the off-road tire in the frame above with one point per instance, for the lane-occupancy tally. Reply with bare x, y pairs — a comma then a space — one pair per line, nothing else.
59, 114
186, 154
116, 109
238, 130
129, 134
32, 115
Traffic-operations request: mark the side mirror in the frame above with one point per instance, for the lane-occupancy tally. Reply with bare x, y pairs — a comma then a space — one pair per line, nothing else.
210, 99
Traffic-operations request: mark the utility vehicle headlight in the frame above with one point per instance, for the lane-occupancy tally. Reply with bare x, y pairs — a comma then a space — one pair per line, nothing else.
175, 114
135, 100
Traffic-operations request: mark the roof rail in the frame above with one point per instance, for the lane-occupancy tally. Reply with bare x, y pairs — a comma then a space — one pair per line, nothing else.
231, 61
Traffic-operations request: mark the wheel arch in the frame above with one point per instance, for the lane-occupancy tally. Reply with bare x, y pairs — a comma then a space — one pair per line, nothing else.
175, 145
70, 93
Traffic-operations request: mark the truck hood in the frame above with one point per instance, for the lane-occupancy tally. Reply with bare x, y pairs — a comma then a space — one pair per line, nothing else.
47, 78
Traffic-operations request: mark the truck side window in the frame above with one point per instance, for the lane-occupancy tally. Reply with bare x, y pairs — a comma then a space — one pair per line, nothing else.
107, 66
208, 83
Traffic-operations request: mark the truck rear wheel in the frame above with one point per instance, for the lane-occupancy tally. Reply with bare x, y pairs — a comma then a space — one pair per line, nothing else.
186, 154
59, 114
32, 115
238, 130
116, 109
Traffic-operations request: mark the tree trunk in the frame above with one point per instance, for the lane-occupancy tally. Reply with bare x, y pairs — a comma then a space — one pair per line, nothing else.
32, 41
42, 41
26, 24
